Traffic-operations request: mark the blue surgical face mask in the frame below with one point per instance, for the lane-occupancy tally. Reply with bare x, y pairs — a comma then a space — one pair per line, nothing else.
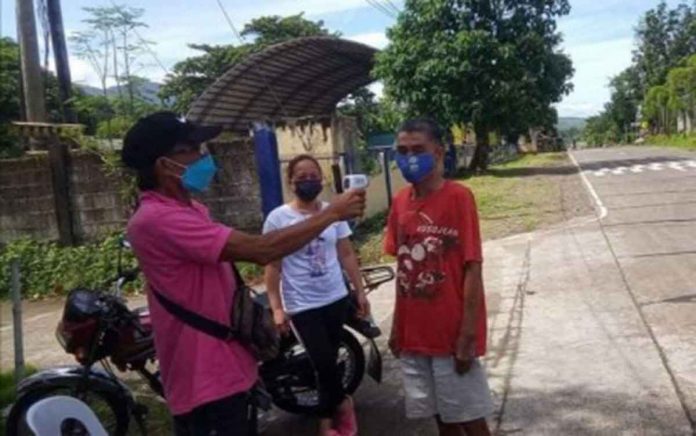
198, 175
415, 167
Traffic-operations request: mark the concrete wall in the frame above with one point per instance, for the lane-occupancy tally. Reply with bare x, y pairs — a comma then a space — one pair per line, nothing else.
27, 203
98, 206
26, 199
235, 198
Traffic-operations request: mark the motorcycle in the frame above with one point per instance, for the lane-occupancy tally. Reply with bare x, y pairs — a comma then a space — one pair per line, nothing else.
97, 327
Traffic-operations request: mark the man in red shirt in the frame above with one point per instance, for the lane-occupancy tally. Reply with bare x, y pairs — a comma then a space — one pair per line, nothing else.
439, 328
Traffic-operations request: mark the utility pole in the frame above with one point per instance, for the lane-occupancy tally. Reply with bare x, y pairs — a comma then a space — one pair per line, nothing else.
32, 82
60, 51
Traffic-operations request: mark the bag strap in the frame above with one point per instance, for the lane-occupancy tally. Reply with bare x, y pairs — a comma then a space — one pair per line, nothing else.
237, 277
194, 320
199, 322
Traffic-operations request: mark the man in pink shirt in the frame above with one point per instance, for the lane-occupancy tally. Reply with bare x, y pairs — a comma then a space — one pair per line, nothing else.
186, 257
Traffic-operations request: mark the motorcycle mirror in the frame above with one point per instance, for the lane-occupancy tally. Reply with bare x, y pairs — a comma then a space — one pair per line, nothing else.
122, 243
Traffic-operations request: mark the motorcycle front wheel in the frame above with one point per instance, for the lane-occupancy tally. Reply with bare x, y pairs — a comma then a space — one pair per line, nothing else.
108, 407
304, 400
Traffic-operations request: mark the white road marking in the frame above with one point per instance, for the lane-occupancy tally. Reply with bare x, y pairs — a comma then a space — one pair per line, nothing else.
603, 212
676, 166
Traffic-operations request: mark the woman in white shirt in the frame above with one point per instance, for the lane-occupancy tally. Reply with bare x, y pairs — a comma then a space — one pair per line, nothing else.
314, 296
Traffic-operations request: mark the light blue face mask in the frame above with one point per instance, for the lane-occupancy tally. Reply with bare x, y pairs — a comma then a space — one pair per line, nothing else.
198, 176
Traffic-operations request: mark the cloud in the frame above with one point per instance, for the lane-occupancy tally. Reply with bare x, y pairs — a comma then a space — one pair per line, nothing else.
375, 39
595, 63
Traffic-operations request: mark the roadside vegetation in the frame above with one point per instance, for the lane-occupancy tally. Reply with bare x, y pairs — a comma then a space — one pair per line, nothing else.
655, 95
8, 392
49, 270
686, 142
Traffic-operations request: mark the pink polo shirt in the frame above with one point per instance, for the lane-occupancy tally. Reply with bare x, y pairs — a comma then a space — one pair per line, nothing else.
178, 247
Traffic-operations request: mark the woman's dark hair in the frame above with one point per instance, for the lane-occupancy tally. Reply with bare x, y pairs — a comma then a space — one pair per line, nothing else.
146, 178
297, 159
427, 126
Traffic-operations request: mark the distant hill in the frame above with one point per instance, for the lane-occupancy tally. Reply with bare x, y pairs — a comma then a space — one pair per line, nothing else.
565, 123
148, 91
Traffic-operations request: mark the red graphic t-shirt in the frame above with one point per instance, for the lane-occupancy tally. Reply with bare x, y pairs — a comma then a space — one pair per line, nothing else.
433, 238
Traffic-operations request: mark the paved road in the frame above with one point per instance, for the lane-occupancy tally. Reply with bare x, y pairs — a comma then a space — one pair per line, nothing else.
649, 196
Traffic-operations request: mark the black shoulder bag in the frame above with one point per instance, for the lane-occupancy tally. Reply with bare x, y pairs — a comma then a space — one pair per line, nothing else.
251, 323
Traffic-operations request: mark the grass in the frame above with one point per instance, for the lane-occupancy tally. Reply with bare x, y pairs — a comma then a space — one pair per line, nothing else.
517, 196
7, 392
683, 141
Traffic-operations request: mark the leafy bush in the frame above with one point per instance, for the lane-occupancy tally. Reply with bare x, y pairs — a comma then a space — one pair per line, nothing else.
679, 141
115, 128
48, 270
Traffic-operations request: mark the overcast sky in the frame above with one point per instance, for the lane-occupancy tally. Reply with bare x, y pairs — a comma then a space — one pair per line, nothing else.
598, 33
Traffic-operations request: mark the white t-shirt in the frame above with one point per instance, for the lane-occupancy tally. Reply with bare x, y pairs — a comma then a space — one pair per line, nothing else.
311, 277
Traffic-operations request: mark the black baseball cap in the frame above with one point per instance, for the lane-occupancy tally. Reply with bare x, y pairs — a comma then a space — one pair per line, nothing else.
156, 135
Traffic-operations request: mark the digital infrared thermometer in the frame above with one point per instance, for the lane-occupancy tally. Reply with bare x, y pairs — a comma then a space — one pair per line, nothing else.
355, 181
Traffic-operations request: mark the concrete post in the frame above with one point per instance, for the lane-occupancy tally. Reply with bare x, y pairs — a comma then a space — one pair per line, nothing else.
32, 81
17, 322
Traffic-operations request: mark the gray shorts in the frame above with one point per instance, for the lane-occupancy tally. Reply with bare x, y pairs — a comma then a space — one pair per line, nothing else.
433, 387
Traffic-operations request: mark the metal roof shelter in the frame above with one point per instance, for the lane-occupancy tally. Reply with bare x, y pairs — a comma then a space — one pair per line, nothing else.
298, 78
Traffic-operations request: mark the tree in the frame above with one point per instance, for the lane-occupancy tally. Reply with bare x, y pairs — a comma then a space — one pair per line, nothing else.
10, 91
681, 85
10, 94
274, 29
372, 116
112, 46
664, 38
656, 109
660, 78
625, 98
126, 24
494, 65
600, 130
192, 76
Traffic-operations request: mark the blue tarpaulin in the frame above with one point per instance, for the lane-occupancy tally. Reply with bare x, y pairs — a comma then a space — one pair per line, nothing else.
268, 167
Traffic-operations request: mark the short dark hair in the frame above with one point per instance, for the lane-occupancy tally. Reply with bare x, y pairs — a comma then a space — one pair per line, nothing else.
424, 125
146, 178
297, 159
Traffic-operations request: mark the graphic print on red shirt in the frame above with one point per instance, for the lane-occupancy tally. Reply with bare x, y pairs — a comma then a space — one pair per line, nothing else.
432, 239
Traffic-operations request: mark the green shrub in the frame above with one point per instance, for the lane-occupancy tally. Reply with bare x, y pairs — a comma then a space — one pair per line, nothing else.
115, 128
49, 270
7, 386
678, 141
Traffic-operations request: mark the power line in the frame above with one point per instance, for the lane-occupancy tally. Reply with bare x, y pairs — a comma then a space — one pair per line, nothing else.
229, 21
392, 6
380, 7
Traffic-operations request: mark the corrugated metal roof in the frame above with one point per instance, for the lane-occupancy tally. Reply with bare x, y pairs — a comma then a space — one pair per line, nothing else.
298, 78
